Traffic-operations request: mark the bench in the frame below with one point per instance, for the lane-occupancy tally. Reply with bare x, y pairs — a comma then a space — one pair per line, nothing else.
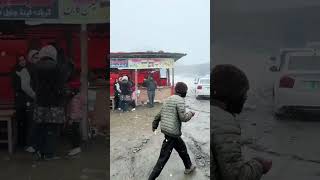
8, 117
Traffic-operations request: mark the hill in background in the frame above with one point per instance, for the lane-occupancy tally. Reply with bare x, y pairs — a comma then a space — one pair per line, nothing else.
192, 70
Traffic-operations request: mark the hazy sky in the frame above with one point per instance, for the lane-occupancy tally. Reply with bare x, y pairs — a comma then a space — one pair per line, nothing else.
170, 25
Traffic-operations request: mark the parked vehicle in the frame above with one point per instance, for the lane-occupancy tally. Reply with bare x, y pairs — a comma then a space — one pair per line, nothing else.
202, 87
297, 86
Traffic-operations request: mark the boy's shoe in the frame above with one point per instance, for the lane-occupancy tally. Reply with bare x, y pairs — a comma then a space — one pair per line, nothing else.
133, 109
74, 151
30, 149
188, 171
50, 157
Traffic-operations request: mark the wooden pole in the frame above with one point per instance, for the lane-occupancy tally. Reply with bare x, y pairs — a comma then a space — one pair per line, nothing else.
84, 79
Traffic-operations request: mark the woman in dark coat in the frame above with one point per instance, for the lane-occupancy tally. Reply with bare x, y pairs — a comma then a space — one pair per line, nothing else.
49, 113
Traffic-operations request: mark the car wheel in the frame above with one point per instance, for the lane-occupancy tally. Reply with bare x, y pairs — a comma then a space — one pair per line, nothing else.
197, 97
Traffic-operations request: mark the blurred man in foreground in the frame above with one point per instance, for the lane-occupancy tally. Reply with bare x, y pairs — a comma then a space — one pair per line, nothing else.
230, 86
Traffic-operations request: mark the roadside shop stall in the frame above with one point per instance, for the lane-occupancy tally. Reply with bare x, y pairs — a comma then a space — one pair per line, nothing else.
138, 66
84, 37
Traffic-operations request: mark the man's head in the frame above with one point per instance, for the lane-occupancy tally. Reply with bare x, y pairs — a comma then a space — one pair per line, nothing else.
181, 89
230, 86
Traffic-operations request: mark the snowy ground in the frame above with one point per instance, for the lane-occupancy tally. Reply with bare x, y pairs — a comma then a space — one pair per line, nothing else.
135, 149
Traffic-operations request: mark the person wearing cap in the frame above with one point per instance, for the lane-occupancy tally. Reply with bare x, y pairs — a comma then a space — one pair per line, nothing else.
28, 85
25, 96
170, 117
230, 86
125, 93
49, 113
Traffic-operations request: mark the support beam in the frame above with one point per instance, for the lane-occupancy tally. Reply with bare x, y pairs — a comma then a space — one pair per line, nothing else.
168, 77
84, 79
136, 84
172, 85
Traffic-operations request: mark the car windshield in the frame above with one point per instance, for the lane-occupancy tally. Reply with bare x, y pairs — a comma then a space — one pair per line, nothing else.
204, 81
304, 63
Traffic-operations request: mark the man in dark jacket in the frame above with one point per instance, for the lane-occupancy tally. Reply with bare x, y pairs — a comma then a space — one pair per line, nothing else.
171, 116
117, 93
229, 91
151, 86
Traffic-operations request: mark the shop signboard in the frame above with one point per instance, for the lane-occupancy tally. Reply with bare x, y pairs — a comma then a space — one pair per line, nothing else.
150, 63
119, 63
29, 9
85, 11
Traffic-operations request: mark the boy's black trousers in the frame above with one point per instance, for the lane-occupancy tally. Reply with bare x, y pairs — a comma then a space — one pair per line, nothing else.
170, 143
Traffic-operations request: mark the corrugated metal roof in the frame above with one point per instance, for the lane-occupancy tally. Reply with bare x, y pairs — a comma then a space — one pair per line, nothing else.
160, 54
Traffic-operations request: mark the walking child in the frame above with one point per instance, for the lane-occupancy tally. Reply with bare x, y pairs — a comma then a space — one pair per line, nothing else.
171, 116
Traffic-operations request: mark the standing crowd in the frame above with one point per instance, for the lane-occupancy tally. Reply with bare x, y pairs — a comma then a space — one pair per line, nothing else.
47, 98
126, 93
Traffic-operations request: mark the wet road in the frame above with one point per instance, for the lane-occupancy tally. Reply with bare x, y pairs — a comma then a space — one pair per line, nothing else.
135, 148
91, 164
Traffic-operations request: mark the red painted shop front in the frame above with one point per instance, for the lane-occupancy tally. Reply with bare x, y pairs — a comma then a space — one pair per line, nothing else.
142, 75
18, 43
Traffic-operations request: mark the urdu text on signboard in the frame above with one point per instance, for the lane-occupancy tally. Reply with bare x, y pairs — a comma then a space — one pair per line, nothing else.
29, 9
85, 11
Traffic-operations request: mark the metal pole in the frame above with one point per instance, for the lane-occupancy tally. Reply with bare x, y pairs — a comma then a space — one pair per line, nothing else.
172, 85
168, 77
84, 79
136, 84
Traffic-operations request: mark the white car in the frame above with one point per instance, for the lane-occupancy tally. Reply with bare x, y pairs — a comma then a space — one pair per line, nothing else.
297, 86
202, 87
